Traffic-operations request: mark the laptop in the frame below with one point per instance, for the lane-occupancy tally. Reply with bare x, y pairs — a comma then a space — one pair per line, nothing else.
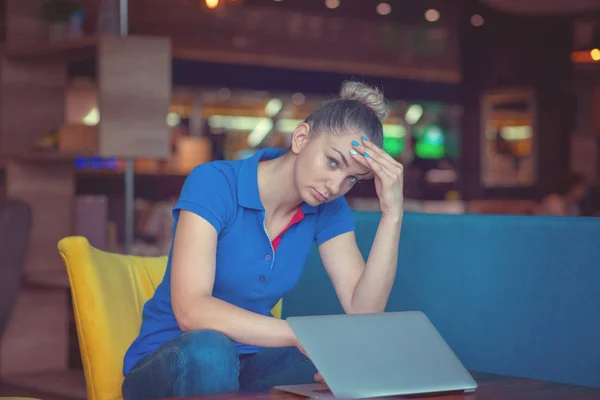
378, 355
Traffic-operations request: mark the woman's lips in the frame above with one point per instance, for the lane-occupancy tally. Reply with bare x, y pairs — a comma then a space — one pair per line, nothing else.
319, 196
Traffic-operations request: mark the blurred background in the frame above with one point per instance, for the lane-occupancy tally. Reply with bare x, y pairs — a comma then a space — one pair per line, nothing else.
106, 106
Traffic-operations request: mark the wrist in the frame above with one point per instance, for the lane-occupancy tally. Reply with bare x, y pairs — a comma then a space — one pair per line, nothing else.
393, 218
290, 337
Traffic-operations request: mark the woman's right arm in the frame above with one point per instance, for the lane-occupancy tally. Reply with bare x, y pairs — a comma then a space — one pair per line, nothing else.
192, 279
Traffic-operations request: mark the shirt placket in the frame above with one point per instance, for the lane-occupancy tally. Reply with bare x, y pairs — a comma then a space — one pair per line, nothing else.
269, 257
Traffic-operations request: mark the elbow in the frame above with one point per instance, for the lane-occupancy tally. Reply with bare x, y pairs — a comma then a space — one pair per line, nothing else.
191, 315
365, 310
184, 319
185, 323
374, 306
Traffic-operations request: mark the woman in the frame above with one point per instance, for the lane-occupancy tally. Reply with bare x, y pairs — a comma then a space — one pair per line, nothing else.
243, 231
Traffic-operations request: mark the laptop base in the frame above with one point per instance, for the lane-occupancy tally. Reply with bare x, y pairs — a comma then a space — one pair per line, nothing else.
321, 391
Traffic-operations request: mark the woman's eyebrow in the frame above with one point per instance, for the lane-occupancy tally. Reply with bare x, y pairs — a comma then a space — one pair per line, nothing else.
341, 155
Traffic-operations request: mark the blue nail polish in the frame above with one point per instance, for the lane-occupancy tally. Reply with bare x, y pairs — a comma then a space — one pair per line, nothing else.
353, 152
364, 138
366, 154
355, 143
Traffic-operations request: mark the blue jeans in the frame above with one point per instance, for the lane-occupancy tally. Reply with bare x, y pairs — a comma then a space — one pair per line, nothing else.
201, 362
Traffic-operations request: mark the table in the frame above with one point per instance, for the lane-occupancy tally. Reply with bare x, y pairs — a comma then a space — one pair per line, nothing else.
491, 387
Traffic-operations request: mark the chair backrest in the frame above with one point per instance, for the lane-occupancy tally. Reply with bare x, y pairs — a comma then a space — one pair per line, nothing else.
109, 291
15, 227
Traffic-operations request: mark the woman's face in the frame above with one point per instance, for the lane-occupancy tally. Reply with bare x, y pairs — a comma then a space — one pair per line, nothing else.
324, 169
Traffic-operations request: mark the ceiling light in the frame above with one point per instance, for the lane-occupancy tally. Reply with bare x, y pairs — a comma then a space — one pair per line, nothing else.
477, 20
224, 94
212, 3
432, 15
260, 132
331, 4
595, 54
273, 107
384, 9
298, 99
173, 119
413, 114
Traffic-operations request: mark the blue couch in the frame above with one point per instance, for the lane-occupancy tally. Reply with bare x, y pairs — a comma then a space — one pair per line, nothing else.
512, 295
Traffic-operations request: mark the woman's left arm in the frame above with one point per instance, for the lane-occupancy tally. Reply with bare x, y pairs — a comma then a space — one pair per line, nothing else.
365, 288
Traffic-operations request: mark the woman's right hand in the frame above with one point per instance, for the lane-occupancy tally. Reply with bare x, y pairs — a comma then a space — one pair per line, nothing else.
302, 349
318, 377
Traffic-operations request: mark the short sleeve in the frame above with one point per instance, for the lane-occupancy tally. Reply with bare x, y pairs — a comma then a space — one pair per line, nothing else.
208, 193
335, 218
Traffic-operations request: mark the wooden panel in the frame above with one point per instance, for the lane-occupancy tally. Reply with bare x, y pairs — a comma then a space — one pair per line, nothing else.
298, 39
584, 156
78, 137
594, 108
31, 101
2, 21
72, 49
49, 189
23, 23
134, 91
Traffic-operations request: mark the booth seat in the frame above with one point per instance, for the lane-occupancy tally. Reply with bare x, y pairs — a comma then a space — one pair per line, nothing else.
511, 295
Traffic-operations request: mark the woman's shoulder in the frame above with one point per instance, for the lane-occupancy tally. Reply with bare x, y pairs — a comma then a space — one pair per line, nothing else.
214, 181
215, 174
215, 168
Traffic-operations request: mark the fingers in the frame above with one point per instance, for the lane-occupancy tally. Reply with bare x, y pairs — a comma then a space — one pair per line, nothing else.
319, 378
377, 150
378, 170
366, 160
371, 158
381, 156
377, 167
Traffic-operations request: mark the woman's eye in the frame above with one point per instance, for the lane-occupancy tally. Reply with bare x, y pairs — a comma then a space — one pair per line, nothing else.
354, 180
332, 163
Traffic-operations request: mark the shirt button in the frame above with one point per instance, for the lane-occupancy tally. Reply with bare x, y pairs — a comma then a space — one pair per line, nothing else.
262, 278
268, 257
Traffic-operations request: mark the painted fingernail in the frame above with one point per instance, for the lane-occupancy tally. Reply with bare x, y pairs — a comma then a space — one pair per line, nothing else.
355, 143
364, 138
353, 152
366, 154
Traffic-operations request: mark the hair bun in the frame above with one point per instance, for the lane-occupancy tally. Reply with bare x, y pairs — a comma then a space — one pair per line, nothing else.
369, 96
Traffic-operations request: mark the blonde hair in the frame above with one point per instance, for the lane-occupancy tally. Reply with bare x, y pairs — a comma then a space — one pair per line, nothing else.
372, 97
359, 107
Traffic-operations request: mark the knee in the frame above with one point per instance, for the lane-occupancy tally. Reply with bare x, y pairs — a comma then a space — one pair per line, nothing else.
194, 363
204, 349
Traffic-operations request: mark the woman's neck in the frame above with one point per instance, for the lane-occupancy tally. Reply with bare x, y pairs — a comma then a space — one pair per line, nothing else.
278, 193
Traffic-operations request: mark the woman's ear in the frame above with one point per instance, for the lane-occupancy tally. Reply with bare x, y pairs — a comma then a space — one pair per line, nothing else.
300, 137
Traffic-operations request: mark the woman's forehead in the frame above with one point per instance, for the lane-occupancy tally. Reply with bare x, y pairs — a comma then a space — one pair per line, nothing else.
345, 138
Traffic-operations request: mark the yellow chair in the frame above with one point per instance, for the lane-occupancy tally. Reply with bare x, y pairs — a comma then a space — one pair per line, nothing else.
109, 291
17, 398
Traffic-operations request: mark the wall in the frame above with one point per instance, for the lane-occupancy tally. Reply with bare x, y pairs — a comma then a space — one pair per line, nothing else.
513, 51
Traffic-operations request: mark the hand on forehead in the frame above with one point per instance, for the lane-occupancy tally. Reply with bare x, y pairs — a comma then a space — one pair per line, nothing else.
343, 144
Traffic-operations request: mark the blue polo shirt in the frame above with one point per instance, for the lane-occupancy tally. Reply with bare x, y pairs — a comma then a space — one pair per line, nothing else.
249, 272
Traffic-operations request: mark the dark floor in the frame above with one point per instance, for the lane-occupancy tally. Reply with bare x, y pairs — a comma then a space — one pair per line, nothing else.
57, 385
8, 391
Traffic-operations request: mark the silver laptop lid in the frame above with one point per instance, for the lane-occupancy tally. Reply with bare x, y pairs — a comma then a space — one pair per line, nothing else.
386, 354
